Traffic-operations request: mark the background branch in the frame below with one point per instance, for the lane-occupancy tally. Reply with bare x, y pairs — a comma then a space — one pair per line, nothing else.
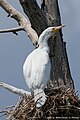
14, 30
22, 21
14, 89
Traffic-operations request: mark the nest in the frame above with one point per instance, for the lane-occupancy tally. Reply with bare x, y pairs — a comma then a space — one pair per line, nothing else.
60, 103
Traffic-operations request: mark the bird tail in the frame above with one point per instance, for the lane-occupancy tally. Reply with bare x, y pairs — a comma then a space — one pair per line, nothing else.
39, 97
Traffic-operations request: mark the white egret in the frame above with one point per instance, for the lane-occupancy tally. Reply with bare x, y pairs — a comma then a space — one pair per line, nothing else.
36, 68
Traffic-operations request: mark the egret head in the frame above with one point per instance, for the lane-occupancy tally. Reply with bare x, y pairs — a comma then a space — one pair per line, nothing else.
47, 33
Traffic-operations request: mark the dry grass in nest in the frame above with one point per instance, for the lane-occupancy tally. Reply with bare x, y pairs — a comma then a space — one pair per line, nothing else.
60, 103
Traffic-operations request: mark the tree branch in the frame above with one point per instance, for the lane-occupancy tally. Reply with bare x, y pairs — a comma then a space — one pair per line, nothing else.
36, 16
14, 30
14, 89
22, 21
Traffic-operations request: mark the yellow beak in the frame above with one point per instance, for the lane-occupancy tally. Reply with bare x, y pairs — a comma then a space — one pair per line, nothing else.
56, 29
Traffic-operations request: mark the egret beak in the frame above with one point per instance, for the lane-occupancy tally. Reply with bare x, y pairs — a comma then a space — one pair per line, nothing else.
56, 29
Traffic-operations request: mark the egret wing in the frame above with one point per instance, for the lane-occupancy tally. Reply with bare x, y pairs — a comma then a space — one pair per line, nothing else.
40, 69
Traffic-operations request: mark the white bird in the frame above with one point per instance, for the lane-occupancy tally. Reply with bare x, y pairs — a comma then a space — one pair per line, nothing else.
36, 68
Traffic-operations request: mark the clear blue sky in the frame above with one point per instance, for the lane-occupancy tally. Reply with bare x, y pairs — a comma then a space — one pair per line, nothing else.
14, 49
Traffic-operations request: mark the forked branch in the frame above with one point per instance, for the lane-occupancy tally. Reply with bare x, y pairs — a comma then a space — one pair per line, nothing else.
22, 21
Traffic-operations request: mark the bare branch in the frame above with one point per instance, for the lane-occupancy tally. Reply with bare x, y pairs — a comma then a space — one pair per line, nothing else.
22, 21
14, 30
14, 89
36, 16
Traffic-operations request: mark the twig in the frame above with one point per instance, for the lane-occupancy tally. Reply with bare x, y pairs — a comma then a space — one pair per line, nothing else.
28, 103
14, 89
51, 90
22, 21
3, 115
3, 112
22, 108
14, 30
75, 107
69, 106
14, 109
10, 107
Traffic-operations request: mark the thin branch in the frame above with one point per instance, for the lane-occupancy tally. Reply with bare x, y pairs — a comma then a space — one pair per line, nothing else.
3, 111
69, 106
3, 115
14, 89
22, 21
14, 30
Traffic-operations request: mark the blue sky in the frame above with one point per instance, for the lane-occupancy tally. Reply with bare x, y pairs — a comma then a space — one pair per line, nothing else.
14, 49
71, 18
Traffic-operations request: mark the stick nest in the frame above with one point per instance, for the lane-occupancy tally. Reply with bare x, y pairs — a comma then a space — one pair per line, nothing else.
60, 103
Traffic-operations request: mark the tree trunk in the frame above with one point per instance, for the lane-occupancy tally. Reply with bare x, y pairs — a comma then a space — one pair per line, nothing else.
60, 71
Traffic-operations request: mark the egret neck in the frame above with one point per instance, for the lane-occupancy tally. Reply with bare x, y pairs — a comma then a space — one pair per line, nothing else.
43, 41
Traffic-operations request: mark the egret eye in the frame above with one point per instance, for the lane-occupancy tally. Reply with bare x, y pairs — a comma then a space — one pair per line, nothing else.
52, 29
57, 28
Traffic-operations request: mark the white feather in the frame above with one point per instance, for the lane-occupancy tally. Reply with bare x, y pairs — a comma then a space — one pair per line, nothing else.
36, 69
